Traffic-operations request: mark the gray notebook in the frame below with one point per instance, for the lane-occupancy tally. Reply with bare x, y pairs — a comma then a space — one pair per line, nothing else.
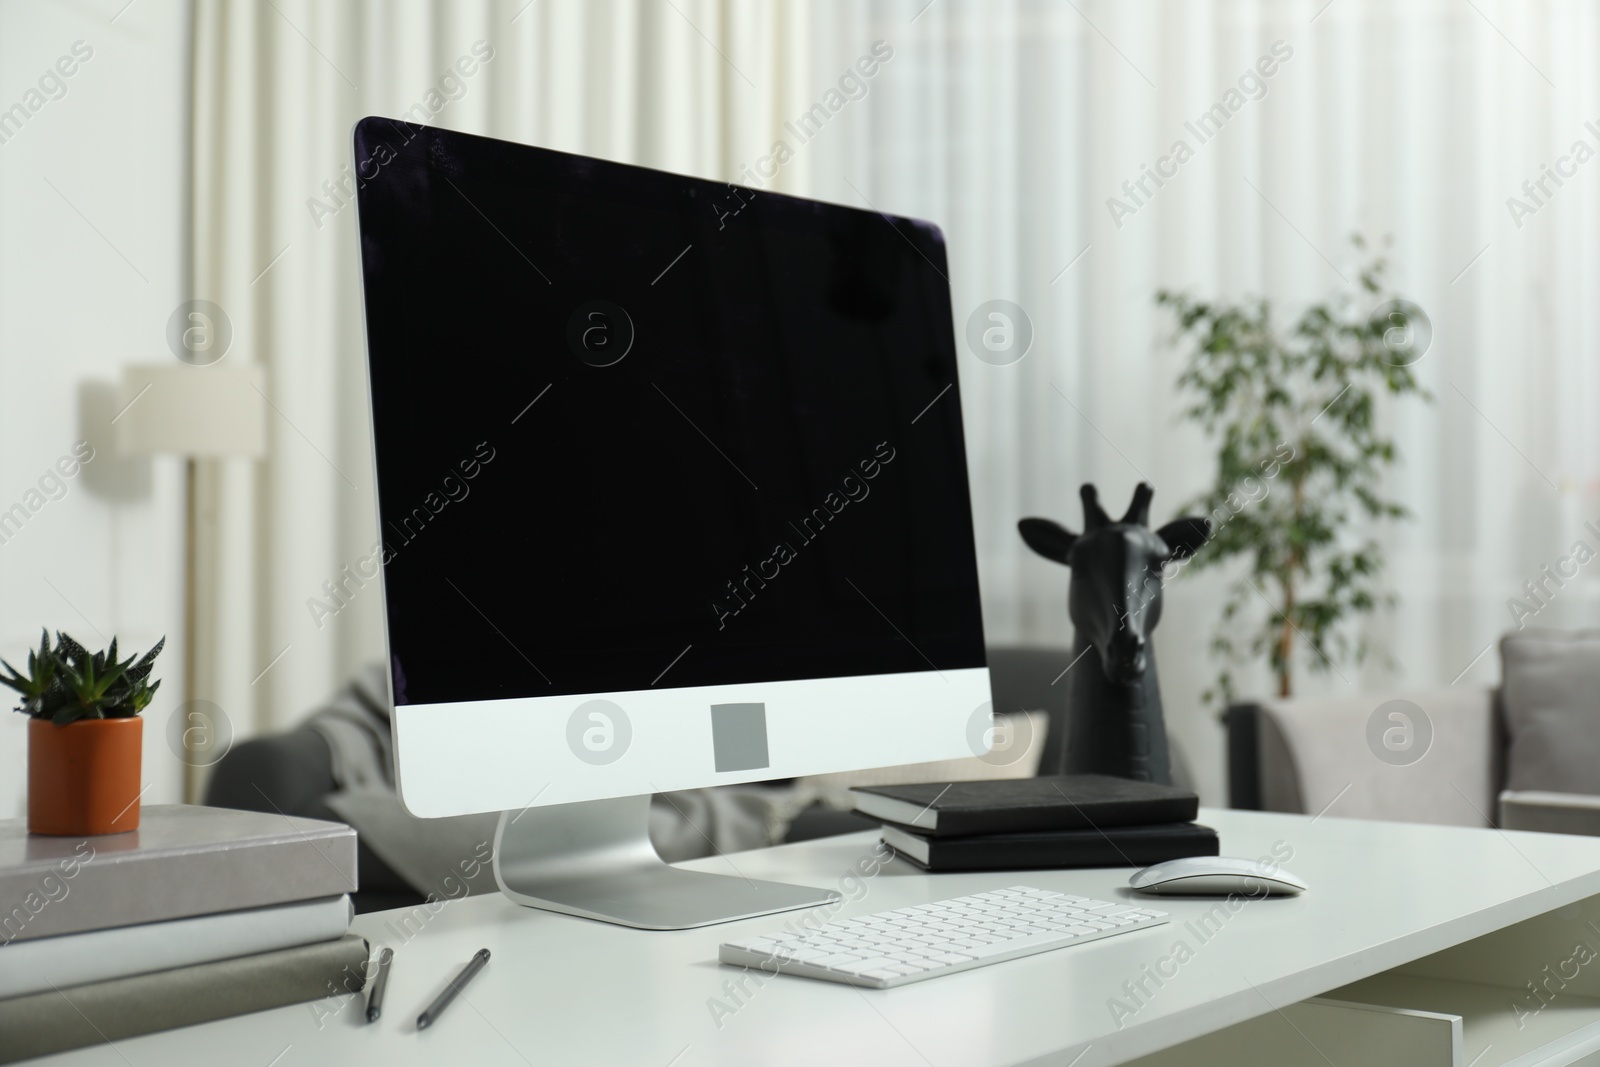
127, 1007
183, 860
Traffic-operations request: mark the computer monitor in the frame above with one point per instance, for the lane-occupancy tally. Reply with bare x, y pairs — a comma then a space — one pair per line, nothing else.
672, 493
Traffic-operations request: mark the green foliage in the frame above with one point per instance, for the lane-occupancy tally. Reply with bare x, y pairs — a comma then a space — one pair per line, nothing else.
67, 683
1300, 459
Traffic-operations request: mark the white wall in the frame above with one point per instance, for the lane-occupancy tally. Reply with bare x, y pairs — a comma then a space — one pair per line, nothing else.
91, 239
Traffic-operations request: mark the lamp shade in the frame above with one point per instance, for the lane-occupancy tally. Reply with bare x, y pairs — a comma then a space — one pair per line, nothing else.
211, 411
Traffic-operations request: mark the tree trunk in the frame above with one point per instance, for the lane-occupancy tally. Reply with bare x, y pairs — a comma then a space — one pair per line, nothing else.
1286, 642
1286, 637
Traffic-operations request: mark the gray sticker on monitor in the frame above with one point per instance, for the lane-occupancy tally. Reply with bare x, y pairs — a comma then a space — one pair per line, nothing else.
739, 736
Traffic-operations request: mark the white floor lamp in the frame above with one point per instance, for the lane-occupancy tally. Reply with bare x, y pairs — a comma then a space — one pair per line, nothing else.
204, 414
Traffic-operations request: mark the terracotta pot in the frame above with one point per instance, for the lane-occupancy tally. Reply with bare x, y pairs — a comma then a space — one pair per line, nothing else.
83, 778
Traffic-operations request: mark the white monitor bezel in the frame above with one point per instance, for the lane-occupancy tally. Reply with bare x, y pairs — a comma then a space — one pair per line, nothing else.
503, 755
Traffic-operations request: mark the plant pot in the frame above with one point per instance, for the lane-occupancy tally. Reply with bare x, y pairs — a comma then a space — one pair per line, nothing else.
83, 778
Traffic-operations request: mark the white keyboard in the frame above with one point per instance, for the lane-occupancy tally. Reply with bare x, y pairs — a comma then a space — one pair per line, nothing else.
892, 948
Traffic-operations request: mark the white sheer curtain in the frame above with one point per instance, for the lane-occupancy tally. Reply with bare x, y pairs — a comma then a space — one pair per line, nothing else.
1010, 123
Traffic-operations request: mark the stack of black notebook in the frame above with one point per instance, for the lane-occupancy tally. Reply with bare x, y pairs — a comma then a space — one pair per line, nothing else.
1030, 823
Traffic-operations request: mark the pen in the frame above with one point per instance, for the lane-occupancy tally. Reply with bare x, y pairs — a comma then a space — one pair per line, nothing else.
375, 1000
434, 1010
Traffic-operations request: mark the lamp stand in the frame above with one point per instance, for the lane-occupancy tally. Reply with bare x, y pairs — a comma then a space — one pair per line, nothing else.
191, 603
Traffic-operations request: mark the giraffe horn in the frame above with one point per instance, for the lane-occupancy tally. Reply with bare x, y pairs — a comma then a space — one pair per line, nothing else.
1139, 510
1094, 516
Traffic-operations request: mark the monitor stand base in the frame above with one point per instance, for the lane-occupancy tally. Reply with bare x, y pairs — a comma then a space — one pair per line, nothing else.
595, 859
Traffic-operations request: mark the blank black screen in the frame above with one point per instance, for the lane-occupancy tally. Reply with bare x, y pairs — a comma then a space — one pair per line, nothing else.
769, 484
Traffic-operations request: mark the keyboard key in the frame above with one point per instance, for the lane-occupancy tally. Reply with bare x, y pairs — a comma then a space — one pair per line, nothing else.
909, 968
837, 960
875, 964
809, 955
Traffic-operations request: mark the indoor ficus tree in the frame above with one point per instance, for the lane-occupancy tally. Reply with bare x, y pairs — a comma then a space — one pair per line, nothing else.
1300, 463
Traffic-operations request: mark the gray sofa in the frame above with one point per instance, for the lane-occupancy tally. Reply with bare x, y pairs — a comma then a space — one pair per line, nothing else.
1524, 755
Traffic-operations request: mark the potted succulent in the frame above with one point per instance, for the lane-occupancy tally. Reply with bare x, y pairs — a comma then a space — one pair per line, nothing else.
84, 737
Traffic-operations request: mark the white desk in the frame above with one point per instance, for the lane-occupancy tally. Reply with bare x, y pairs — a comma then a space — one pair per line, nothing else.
561, 990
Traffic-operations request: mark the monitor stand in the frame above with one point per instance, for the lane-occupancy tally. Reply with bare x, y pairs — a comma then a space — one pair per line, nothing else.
595, 859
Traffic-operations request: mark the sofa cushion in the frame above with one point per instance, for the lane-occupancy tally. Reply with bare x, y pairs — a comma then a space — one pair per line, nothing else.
1551, 695
1318, 755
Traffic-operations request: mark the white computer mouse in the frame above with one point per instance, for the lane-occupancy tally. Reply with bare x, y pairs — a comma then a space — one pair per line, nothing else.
1217, 876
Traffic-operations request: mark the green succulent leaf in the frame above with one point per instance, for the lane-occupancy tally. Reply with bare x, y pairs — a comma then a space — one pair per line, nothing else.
141, 669
68, 649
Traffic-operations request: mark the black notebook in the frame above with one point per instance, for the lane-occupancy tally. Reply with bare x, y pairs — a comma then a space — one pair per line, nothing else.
1118, 846
1066, 802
